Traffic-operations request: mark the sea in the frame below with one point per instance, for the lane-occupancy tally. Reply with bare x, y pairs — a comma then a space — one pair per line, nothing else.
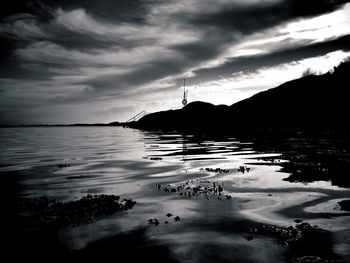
255, 196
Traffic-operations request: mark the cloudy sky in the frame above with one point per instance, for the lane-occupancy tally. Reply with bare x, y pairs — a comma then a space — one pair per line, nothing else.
92, 61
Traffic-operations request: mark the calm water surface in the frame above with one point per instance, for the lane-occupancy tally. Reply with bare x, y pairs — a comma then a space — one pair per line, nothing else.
131, 163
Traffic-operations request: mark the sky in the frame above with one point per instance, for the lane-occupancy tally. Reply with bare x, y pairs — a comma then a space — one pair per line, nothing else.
84, 61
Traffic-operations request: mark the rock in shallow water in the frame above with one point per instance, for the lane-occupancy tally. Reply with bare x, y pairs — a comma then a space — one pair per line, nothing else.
196, 188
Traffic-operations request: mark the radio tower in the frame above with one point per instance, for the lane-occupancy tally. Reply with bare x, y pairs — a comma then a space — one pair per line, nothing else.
184, 101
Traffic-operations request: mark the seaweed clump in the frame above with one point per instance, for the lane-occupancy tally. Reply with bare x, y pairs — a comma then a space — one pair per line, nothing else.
42, 211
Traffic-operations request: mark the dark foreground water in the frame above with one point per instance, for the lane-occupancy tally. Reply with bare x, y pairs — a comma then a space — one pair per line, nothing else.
198, 198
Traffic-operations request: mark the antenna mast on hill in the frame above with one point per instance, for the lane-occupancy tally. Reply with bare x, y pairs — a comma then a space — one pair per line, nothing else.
184, 101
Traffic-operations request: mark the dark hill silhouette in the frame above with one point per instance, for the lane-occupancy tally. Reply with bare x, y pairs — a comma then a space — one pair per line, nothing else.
313, 101
194, 115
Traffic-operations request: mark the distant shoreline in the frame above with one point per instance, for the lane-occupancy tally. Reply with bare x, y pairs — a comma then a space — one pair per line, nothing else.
64, 125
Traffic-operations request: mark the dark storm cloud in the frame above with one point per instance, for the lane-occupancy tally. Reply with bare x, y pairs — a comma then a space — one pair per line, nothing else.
123, 10
25, 22
247, 19
71, 52
144, 75
200, 50
39, 17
